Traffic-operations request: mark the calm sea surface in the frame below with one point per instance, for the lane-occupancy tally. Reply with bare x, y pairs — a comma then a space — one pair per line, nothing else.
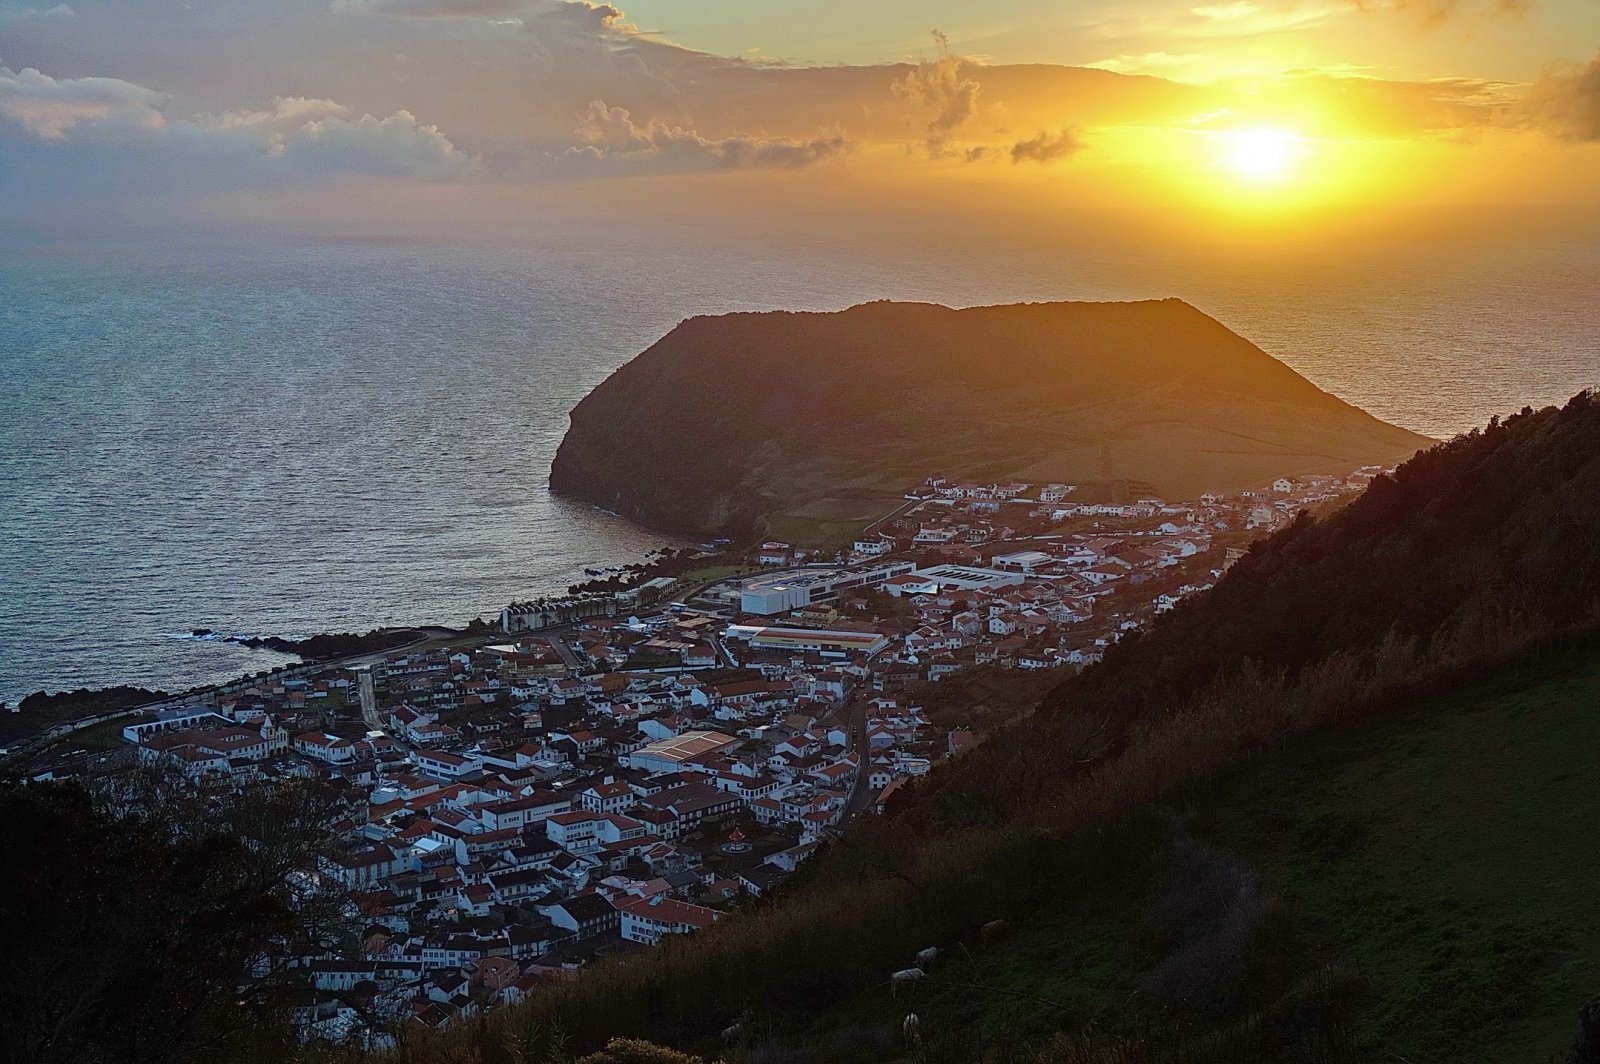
293, 437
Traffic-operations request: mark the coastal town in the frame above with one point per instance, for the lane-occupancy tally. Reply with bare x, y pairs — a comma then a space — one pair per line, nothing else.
608, 768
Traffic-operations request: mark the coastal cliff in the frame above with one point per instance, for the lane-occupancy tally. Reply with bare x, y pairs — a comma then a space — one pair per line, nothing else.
810, 424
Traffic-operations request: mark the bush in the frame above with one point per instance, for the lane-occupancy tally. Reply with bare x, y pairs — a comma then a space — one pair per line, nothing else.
633, 1051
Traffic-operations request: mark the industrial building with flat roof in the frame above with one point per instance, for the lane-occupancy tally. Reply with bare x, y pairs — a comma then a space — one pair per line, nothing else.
782, 592
671, 754
968, 578
1024, 560
812, 639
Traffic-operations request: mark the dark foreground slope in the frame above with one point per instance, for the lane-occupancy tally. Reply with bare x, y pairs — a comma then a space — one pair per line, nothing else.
811, 423
1330, 811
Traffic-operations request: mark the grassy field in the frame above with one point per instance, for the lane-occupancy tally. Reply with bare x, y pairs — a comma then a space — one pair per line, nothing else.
1046, 976
696, 577
98, 737
816, 532
1446, 854
1450, 855
714, 572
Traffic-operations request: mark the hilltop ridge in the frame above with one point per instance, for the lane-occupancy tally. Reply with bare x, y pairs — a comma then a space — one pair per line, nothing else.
810, 424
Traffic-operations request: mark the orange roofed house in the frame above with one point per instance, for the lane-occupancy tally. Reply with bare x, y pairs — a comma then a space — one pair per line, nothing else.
647, 920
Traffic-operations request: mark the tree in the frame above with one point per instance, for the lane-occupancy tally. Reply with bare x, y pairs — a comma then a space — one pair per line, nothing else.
156, 925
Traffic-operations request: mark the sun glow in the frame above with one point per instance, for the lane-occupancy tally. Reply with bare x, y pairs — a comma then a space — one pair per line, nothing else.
1262, 171
1262, 155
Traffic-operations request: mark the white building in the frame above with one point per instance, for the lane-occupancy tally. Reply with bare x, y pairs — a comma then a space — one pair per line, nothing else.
970, 578
443, 765
780, 594
822, 641
672, 754
648, 920
1056, 492
1025, 561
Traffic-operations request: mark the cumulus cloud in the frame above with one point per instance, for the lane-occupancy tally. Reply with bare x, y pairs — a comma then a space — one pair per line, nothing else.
941, 82
1046, 147
301, 134
610, 133
572, 34
50, 108
282, 114
396, 146
293, 133
1565, 102
595, 18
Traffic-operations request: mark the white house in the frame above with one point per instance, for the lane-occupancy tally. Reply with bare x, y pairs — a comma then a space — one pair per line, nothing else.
444, 765
329, 748
648, 920
911, 584
1056, 492
774, 553
577, 831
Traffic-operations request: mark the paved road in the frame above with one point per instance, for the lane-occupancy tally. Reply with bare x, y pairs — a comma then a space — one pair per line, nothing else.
872, 529
556, 638
861, 793
366, 688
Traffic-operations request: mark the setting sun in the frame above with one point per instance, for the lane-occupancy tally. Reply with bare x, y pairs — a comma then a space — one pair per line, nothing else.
1262, 154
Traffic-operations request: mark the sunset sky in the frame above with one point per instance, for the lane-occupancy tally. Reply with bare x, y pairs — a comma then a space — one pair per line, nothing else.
483, 112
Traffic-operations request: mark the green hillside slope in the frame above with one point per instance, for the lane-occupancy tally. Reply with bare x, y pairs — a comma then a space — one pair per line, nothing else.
1439, 862
1448, 855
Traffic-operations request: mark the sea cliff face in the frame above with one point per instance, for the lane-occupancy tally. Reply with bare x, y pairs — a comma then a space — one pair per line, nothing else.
623, 454
810, 423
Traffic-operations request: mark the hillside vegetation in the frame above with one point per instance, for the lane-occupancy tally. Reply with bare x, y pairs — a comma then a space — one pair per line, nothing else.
1330, 808
42, 710
814, 424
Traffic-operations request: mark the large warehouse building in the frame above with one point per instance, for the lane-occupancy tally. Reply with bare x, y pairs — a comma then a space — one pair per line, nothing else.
819, 640
671, 754
970, 578
782, 592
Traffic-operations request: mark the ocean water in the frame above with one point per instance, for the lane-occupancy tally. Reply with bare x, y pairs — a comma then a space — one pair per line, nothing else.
291, 436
